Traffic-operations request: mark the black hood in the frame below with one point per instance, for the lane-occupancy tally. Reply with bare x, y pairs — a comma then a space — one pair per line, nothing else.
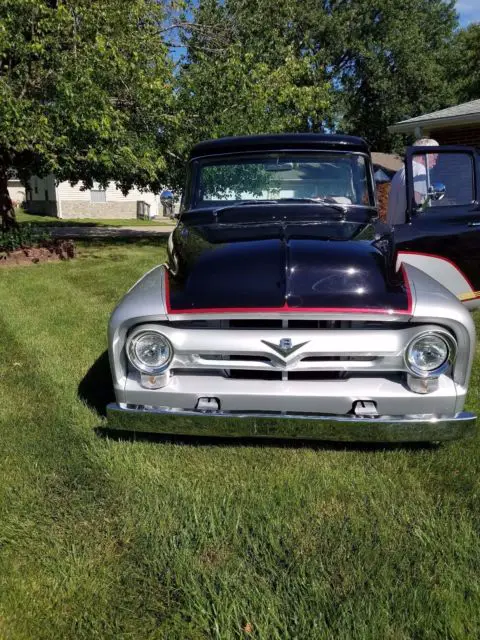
295, 262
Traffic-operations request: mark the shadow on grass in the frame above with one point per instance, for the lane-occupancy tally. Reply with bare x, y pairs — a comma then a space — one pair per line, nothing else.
102, 233
44, 220
208, 441
101, 242
96, 388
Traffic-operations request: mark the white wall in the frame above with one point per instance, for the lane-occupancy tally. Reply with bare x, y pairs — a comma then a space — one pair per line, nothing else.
134, 195
41, 187
65, 192
16, 191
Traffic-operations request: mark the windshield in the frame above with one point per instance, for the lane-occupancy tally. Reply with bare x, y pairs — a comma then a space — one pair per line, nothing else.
317, 177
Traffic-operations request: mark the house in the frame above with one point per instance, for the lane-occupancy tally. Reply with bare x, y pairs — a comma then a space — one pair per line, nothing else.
63, 200
16, 191
456, 125
385, 165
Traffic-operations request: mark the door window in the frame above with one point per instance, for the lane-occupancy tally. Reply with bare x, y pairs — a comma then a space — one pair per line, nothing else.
442, 179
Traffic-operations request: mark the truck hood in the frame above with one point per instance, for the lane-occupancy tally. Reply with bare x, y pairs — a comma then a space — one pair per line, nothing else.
322, 265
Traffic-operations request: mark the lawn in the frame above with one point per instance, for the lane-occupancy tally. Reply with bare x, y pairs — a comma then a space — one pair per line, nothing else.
24, 216
110, 538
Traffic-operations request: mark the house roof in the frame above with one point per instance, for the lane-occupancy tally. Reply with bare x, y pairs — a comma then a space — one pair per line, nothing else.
465, 113
390, 161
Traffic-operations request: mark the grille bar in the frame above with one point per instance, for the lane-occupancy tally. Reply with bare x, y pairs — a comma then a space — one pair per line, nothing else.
286, 323
264, 363
359, 347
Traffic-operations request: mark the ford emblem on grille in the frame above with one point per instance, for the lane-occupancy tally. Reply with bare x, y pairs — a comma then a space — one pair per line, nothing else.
285, 347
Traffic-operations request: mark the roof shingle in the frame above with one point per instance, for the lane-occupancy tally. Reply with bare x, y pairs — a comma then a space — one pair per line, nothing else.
465, 112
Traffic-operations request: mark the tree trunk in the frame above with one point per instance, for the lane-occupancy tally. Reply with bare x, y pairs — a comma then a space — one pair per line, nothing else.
7, 212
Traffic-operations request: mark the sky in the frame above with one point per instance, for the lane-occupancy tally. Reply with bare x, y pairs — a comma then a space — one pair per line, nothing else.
469, 11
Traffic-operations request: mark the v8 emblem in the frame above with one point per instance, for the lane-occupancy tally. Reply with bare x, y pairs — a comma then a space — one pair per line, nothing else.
285, 347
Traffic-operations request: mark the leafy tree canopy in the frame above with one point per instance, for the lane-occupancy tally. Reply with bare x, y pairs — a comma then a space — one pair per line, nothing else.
85, 90
89, 89
246, 80
389, 63
351, 65
464, 64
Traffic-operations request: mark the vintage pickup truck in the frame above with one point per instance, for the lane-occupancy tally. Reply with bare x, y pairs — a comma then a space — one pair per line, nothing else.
288, 309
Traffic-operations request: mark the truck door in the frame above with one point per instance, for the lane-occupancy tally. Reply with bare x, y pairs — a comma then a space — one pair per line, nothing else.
441, 233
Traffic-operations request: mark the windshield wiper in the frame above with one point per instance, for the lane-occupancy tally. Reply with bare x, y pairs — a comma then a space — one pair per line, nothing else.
324, 202
242, 203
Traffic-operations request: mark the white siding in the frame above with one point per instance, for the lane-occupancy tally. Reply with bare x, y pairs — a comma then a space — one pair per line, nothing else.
66, 192
16, 191
51, 186
134, 195
42, 187
38, 186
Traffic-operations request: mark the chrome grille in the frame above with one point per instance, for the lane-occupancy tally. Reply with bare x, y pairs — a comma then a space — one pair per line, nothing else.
326, 349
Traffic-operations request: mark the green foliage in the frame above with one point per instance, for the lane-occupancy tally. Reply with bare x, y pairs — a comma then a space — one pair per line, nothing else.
85, 89
356, 65
24, 237
390, 63
89, 90
231, 180
248, 80
464, 64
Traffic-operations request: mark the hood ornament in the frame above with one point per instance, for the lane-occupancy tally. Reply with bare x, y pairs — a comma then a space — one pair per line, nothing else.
285, 347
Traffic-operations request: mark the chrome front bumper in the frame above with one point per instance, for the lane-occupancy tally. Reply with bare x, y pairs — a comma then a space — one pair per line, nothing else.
345, 428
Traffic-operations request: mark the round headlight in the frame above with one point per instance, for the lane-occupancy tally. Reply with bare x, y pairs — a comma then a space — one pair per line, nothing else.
428, 353
149, 351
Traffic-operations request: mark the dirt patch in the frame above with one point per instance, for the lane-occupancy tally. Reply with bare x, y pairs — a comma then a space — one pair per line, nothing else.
56, 250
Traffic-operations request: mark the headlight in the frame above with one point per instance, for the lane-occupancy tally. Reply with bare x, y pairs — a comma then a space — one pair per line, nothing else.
149, 351
430, 353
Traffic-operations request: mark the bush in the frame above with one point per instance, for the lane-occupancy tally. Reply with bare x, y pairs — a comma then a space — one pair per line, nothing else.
33, 244
24, 237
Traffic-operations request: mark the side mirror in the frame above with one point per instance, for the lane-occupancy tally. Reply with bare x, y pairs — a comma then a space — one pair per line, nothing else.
436, 191
167, 200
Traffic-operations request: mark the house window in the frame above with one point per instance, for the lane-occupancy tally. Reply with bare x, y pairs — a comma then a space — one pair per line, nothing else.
97, 194
46, 195
36, 185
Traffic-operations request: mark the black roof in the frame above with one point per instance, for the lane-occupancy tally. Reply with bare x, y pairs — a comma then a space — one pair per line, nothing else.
276, 142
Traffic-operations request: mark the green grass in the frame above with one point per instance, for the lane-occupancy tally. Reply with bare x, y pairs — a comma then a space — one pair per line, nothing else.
24, 216
103, 538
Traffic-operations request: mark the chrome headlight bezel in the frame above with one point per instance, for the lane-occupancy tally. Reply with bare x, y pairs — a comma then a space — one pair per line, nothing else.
451, 345
133, 358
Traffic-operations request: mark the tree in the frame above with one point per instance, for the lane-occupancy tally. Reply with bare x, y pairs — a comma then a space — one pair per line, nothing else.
464, 64
391, 63
85, 92
351, 65
251, 77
